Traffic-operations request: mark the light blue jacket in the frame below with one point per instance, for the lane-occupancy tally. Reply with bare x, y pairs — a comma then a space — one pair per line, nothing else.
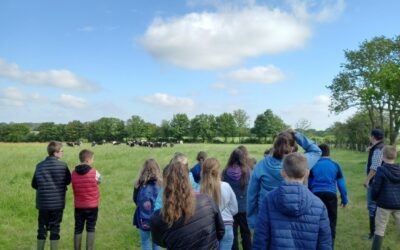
267, 176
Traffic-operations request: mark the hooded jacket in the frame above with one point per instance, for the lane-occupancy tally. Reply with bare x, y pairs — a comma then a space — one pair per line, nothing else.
386, 186
291, 217
85, 187
267, 176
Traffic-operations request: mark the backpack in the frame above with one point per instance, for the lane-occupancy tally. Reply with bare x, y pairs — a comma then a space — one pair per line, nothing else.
145, 206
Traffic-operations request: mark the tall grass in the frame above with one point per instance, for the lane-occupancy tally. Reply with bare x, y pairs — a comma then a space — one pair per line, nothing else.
119, 166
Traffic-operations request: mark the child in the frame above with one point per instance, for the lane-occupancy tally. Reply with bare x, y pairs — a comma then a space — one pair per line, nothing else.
291, 217
386, 193
50, 180
324, 177
144, 195
85, 180
223, 195
196, 169
237, 174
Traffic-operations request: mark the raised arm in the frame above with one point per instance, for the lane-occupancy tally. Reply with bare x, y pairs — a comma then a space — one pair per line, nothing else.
312, 151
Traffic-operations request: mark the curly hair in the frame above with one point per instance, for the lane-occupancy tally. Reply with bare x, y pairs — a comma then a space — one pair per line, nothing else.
210, 179
178, 197
150, 171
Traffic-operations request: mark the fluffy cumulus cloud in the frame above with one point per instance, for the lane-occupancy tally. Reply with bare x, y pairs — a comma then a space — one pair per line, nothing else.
167, 101
316, 111
13, 97
58, 78
261, 74
212, 40
70, 101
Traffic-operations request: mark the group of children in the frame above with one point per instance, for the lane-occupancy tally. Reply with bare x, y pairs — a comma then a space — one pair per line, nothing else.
204, 207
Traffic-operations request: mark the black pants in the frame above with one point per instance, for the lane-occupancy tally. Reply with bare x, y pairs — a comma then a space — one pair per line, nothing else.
49, 220
88, 215
240, 220
331, 202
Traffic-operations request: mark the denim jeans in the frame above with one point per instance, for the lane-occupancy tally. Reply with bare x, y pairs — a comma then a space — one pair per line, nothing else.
145, 238
370, 203
226, 242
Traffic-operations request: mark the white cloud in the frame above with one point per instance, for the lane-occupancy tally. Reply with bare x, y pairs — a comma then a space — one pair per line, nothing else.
16, 98
316, 111
168, 101
69, 101
59, 78
261, 74
87, 28
234, 32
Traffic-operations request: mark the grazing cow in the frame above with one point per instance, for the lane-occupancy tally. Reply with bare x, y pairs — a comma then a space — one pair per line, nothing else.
77, 143
93, 143
116, 143
70, 144
171, 145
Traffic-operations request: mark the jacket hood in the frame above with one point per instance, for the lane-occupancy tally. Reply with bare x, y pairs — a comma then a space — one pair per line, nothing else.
392, 172
234, 172
272, 162
292, 199
82, 169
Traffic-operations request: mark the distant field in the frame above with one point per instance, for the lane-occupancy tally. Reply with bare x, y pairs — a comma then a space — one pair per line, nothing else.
119, 166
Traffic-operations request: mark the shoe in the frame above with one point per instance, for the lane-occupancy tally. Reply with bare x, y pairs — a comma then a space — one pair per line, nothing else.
377, 243
77, 241
90, 240
40, 244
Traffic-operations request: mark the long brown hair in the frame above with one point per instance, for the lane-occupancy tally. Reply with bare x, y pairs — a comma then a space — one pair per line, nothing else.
150, 171
178, 197
239, 158
211, 180
284, 144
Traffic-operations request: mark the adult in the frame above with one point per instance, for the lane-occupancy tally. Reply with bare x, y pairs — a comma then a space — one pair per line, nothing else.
373, 163
267, 173
50, 180
186, 220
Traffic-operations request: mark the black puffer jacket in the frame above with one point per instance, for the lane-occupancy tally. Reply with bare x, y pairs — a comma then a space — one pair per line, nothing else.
202, 231
386, 186
50, 181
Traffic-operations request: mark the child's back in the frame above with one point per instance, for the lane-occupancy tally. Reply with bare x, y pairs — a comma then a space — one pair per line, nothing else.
386, 186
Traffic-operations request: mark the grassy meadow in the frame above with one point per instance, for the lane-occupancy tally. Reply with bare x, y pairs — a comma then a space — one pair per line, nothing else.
119, 166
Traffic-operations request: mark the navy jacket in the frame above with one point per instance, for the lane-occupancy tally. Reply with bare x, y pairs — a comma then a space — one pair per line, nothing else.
291, 217
50, 181
241, 194
145, 199
386, 186
202, 231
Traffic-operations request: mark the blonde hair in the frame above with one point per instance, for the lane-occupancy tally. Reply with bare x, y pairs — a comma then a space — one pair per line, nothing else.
178, 197
150, 171
211, 180
389, 152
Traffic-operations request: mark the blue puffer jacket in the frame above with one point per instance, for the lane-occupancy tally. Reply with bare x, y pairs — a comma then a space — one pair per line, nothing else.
386, 186
291, 217
267, 176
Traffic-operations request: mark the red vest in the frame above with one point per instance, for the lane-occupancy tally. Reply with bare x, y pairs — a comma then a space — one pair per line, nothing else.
86, 190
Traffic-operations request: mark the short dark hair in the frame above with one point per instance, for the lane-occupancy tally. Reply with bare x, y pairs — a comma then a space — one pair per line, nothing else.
54, 147
325, 149
295, 165
377, 134
85, 154
201, 156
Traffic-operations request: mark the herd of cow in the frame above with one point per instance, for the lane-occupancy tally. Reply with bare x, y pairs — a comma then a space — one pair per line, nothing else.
141, 143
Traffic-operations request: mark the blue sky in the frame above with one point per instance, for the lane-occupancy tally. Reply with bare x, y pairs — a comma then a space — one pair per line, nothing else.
82, 60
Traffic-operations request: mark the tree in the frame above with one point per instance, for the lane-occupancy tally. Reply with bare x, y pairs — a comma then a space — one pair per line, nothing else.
164, 131
74, 131
15, 132
226, 125
108, 129
303, 125
48, 131
180, 126
135, 127
203, 126
369, 81
149, 130
268, 125
241, 120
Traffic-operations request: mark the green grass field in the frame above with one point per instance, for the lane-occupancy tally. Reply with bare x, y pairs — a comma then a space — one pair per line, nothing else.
119, 166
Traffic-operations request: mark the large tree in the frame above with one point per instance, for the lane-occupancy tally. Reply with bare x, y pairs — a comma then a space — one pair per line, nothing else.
369, 81
226, 125
180, 126
203, 126
267, 125
135, 127
241, 120
74, 131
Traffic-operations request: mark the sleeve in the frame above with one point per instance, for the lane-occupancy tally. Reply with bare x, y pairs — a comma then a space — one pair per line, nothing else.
158, 204
376, 160
67, 176
233, 205
341, 183
262, 237
34, 182
135, 194
312, 151
310, 180
376, 185
252, 198
99, 178
324, 234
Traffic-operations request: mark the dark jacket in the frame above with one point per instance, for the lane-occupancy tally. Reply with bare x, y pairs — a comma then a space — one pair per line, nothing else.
241, 194
202, 231
291, 217
50, 181
386, 186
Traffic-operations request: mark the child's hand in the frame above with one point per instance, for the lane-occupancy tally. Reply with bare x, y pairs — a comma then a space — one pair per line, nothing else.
366, 184
343, 205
